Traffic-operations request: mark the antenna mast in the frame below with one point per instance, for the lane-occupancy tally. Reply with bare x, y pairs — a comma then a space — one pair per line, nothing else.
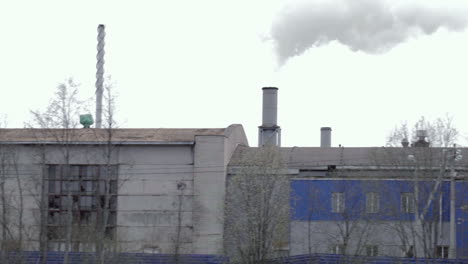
99, 73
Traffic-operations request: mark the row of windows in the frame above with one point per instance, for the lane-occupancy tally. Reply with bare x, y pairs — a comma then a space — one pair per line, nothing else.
372, 202
88, 191
79, 218
81, 202
81, 186
373, 250
81, 172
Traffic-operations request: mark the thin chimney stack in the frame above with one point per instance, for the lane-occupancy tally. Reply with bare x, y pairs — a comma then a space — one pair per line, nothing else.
269, 133
325, 137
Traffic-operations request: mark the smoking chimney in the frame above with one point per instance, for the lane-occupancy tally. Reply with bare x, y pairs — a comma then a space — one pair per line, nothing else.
325, 137
269, 133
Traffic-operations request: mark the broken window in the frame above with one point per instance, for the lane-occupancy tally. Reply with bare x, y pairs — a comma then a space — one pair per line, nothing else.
89, 191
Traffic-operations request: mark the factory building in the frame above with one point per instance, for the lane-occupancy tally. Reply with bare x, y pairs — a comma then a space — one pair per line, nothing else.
407, 201
165, 186
163, 191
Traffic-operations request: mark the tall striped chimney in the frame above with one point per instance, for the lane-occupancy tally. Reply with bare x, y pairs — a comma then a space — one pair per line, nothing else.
269, 133
99, 73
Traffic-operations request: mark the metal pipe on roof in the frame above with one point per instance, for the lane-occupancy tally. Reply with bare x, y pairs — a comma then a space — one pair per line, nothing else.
325, 137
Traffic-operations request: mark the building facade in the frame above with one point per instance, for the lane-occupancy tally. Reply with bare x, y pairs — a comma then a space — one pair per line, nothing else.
148, 190
374, 201
164, 191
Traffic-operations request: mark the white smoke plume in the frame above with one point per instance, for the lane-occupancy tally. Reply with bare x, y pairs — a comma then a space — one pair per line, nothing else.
371, 26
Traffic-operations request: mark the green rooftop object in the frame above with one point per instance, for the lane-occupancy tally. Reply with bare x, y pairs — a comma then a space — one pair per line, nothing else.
86, 120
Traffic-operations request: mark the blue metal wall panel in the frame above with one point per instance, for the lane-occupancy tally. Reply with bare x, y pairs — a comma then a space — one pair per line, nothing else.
311, 199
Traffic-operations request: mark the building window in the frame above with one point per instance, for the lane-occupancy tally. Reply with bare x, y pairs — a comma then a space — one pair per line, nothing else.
407, 202
338, 202
372, 202
337, 249
90, 191
442, 251
409, 252
372, 250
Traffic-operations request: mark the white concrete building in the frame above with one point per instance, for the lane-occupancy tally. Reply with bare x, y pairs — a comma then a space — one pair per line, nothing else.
165, 186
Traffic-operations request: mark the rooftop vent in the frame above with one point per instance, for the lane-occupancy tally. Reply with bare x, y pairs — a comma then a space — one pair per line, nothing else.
86, 120
421, 141
405, 142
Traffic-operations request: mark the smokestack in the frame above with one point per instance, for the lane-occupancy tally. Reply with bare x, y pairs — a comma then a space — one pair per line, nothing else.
269, 133
99, 73
325, 137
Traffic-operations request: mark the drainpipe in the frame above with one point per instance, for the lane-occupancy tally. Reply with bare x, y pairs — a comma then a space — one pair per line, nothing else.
453, 233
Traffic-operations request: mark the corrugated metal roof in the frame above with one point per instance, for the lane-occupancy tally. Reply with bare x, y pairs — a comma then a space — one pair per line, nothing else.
120, 135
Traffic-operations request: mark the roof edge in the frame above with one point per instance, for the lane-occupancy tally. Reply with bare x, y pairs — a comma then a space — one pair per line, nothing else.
97, 143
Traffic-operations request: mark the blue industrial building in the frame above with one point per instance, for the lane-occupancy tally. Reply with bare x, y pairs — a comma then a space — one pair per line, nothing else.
362, 201
378, 201
407, 201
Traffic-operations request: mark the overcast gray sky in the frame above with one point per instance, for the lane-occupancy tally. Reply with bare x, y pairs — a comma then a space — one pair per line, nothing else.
359, 66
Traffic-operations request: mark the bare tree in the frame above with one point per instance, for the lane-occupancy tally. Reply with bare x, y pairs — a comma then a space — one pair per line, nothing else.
59, 121
257, 207
5, 221
12, 200
426, 168
441, 132
109, 152
353, 220
355, 225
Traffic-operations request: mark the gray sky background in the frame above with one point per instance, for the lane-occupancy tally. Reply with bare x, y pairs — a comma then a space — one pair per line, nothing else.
359, 66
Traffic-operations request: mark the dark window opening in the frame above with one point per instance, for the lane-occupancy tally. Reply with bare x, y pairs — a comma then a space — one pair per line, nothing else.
82, 193
372, 250
337, 249
442, 251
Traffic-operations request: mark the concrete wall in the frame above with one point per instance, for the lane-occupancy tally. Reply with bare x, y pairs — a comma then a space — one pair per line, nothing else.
321, 235
212, 154
159, 186
148, 197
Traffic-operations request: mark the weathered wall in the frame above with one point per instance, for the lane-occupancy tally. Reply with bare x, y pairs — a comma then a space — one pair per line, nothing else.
20, 173
212, 154
319, 236
160, 186
148, 202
